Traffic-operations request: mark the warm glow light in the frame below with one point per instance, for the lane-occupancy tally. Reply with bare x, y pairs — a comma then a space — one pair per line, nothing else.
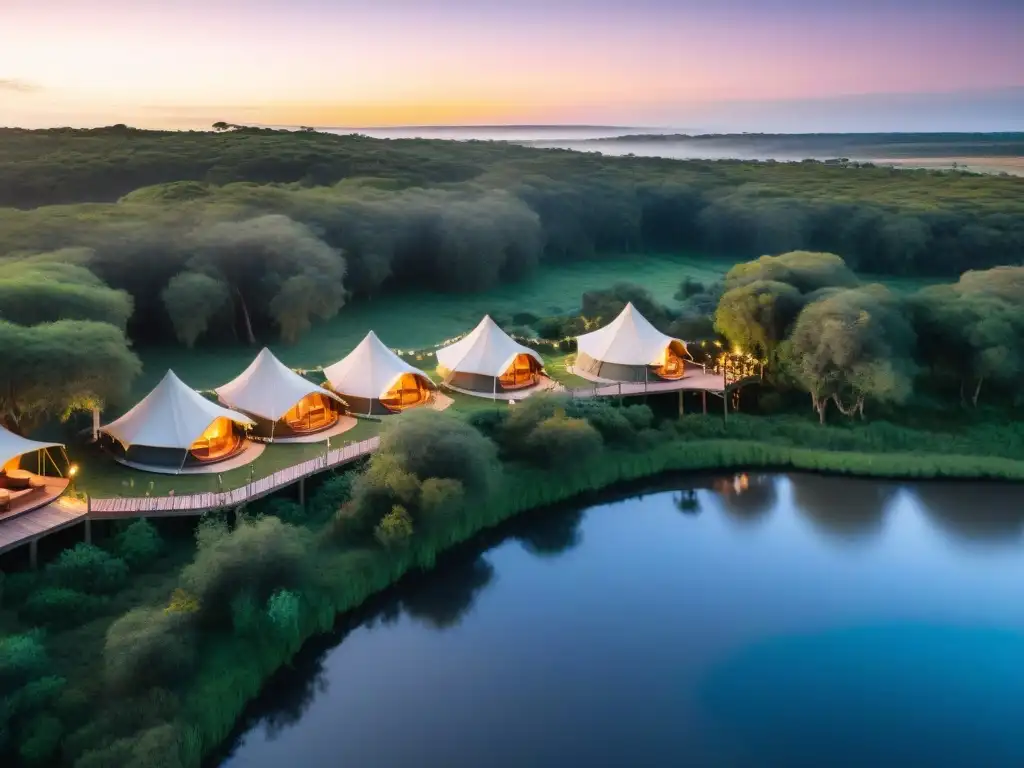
73, 470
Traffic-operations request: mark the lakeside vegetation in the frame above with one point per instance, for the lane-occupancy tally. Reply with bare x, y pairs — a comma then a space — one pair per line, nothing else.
144, 648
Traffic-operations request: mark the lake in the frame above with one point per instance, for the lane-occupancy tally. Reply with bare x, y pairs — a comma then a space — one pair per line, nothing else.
761, 620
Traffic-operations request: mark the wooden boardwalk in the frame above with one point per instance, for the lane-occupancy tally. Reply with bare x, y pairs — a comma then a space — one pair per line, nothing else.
198, 503
29, 527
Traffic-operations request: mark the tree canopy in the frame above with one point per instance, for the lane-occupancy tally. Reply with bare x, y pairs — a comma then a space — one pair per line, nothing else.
853, 346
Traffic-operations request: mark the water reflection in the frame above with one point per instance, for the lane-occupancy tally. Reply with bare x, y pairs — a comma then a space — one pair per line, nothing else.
747, 498
444, 597
974, 512
551, 533
847, 509
687, 502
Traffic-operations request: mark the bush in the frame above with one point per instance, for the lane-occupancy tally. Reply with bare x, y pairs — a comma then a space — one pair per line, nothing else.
283, 609
156, 747
140, 544
148, 647
89, 569
258, 557
22, 657
61, 607
431, 444
441, 496
40, 740
488, 423
395, 528
330, 496
562, 442
286, 510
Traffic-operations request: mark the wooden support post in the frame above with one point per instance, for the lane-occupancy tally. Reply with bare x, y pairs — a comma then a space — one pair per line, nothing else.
302, 492
33, 554
95, 424
725, 405
682, 410
88, 531
704, 400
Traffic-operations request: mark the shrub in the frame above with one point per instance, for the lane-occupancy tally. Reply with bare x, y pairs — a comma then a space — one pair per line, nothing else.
156, 747
245, 615
441, 496
61, 607
561, 442
383, 485
89, 569
488, 423
40, 740
286, 510
259, 557
148, 647
140, 544
395, 528
330, 496
283, 612
431, 444
22, 657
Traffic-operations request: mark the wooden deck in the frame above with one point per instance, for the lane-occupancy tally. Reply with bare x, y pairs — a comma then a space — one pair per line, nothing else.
198, 503
695, 379
28, 527
35, 499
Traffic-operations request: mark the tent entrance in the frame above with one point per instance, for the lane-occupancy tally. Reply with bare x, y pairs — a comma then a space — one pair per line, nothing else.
523, 372
312, 413
673, 367
219, 441
409, 391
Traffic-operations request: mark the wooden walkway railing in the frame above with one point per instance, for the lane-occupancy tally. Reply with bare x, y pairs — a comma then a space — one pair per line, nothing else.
197, 503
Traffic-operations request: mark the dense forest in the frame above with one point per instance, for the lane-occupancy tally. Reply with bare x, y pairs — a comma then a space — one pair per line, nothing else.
252, 234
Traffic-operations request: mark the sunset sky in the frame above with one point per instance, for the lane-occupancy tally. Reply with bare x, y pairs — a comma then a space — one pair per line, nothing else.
188, 63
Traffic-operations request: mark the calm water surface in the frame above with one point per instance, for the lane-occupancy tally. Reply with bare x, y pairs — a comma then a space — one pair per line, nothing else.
751, 621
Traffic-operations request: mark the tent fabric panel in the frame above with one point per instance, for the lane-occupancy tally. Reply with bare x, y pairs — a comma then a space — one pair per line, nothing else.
368, 371
268, 388
171, 416
486, 350
13, 446
629, 339
611, 371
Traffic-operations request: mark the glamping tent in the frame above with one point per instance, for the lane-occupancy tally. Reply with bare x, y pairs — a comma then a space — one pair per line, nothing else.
489, 361
281, 402
175, 426
630, 349
23, 489
374, 380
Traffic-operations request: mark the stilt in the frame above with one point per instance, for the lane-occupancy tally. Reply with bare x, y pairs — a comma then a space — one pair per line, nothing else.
88, 531
725, 405
682, 409
302, 492
704, 400
95, 424
33, 554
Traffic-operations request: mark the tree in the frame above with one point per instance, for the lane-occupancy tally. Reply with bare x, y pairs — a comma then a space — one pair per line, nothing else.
45, 289
973, 330
259, 260
756, 316
54, 368
192, 299
850, 347
806, 271
395, 528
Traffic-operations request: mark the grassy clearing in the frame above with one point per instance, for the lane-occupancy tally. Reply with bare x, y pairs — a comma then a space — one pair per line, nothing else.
421, 320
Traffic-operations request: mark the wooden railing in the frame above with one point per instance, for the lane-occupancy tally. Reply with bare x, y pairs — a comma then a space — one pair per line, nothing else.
196, 503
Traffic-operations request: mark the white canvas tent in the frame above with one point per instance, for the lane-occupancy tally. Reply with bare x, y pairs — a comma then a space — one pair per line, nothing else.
487, 351
12, 446
171, 416
268, 388
488, 361
624, 346
369, 374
